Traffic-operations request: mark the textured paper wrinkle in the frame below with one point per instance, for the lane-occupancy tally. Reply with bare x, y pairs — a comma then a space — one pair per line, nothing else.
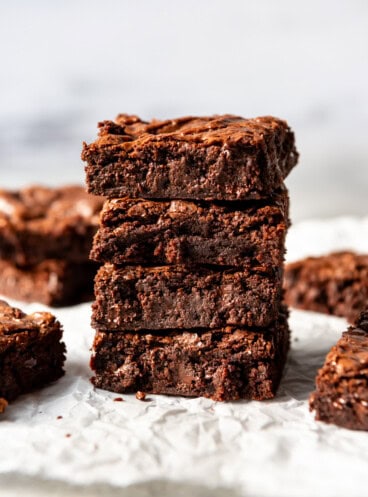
272, 448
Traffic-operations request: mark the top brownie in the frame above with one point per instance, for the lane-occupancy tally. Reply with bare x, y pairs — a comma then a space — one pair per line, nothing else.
212, 158
38, 223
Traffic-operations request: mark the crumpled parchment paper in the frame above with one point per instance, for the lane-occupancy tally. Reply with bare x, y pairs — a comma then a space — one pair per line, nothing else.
169, 446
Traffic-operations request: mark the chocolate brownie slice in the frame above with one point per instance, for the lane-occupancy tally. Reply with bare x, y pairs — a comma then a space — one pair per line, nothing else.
136, 297
38, 223
220, 157
223, 364
31, 352
52, 282
341, 395
179, 232
336, 283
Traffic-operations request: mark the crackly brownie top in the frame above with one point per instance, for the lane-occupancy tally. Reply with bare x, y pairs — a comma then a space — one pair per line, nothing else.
49, 209
13, 320
349, 357
129, 131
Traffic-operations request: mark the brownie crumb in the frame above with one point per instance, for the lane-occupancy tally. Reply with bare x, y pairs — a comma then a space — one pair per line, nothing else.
59, 417
68, 435
140, 395
118, 399
3, 405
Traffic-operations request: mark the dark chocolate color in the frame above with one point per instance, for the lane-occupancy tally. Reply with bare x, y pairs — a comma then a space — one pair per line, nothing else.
341, 395
136, 297
52, 282
181, 232
223, 364
38, 223
31, 352
220, 157
336, 283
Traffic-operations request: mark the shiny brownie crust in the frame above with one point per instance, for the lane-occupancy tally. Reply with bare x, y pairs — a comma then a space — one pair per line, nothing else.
215, 158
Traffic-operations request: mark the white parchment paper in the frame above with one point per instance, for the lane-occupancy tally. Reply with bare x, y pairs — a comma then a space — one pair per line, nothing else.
193, 447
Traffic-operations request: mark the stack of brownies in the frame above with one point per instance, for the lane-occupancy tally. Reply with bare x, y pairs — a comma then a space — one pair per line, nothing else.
189, 299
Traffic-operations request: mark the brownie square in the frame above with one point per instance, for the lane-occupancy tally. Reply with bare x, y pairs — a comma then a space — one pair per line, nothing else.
138, 231
222, 364
136, 297
38, 223
31, 352
341, 395
336, 283
51, 282
215, 158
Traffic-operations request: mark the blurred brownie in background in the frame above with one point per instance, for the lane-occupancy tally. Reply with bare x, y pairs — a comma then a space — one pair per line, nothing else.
336, 284
45, 239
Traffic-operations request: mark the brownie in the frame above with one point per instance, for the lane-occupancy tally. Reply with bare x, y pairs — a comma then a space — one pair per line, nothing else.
136, 297
341, 395
52, 282
3, 405
179, 232
221, 157
336, 283
38, 223
31, 352
223, 364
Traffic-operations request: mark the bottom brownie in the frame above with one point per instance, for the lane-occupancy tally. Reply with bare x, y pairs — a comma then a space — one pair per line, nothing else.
31, 351
224, 364
341, 395
52, 282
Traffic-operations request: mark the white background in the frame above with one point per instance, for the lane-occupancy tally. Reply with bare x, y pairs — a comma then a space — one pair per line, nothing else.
67, 64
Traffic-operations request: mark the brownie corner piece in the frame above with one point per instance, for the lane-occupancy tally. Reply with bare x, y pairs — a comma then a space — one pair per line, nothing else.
341, 395
31, 351
222, 364
219, 157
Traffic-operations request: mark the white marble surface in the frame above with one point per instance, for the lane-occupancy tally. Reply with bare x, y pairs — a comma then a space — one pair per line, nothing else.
66, 65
